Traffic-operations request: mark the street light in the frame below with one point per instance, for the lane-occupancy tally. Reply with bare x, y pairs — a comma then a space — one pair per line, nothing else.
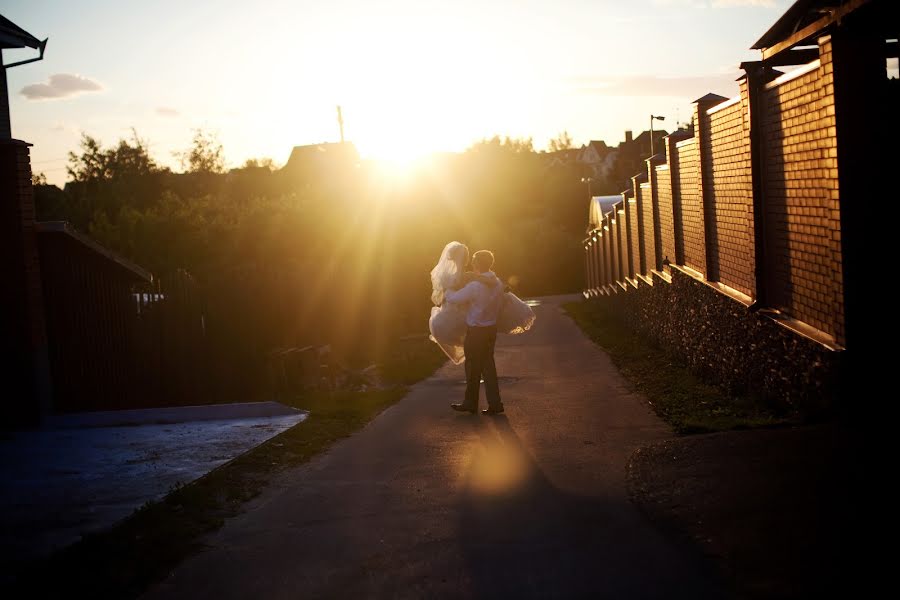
651, 130
588, 181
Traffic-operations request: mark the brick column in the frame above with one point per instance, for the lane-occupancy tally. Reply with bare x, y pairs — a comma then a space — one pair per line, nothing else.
642, 261
621, 239
674, 182
654, 256
587, 267
755, 78
24, 335
866, 195
626, 237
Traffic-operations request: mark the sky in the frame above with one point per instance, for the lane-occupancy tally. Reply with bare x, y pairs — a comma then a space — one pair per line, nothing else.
411, 76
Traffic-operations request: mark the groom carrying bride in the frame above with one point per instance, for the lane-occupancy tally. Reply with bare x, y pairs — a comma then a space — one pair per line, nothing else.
484, 302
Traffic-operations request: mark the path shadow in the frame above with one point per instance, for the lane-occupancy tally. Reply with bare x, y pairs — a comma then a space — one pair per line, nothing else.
522, 537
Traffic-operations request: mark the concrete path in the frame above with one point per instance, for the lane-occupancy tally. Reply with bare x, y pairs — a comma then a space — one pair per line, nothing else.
83, 472
429, 503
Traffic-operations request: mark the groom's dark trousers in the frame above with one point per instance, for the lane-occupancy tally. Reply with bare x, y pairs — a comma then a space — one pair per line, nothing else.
479, 348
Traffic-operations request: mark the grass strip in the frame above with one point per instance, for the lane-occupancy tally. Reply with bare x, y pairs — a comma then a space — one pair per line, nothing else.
680, 398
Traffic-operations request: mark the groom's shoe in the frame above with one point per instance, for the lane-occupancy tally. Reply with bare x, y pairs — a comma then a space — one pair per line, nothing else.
493, 410
464, 408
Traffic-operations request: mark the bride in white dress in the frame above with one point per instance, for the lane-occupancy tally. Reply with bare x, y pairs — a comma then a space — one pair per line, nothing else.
448, 320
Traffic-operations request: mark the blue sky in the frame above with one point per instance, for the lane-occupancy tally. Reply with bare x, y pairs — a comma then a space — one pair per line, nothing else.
412, 76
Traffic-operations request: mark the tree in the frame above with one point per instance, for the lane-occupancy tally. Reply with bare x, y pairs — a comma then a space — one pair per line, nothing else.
509, 144
38, 179
130, 158
563, 141
205, 154
255, 163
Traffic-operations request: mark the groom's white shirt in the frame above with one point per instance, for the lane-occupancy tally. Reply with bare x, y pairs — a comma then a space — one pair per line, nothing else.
484, 301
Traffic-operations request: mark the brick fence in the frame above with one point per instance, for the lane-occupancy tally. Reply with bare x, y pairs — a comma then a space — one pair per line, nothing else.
748, 207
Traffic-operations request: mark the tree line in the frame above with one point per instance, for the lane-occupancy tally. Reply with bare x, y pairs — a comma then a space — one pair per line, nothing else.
336, 256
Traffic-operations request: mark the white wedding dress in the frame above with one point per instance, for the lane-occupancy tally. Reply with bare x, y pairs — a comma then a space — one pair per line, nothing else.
448, 320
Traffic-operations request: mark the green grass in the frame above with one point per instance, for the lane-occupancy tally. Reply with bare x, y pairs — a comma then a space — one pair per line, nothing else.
124, 561
411, 360
680, 398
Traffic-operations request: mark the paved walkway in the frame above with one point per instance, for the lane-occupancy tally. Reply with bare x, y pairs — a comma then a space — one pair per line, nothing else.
82, 473
426, 502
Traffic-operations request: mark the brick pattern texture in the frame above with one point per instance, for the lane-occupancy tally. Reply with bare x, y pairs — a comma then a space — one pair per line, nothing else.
641, 263
614, 248
646, 205
727, 159
707, 180
688, 178
801, 190
666, 212
635, 236
630, 226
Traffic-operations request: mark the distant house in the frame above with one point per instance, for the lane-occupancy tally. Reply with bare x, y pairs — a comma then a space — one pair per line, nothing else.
321, 158
631, 154
562, 157
642, 142
597, 159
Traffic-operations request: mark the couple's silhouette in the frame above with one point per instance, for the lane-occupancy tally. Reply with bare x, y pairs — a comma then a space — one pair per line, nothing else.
471, 307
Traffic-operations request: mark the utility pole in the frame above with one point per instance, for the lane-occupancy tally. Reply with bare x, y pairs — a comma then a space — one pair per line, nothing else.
341, 123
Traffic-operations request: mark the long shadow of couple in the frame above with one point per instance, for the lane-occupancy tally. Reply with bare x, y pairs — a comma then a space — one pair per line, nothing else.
523, 537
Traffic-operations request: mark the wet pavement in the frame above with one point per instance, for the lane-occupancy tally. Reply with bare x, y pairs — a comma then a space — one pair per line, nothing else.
84, 472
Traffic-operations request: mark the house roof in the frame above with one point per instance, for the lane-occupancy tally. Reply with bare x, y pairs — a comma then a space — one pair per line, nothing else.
323, 151
807, 20
123, 264
710, 98
645, 135
13, 36
680, 134
799, 15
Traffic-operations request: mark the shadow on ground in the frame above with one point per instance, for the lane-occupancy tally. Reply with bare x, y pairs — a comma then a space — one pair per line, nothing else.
772, 505
522, 537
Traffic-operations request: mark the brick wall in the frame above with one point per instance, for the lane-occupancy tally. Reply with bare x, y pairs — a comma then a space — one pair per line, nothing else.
613, 249
646, 207
621, 246
727, 161
687, 162
698, 208
801, 198
666, 212
589, 266
635, 235
627, 262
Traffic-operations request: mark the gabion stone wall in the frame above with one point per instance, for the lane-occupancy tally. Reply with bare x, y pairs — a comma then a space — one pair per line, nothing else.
720, 339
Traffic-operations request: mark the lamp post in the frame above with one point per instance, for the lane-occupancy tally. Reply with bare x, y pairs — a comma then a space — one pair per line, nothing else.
588, 181
651, 130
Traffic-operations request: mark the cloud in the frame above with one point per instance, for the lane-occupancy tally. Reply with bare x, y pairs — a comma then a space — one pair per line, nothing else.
691, 87
165, 111
60, 85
